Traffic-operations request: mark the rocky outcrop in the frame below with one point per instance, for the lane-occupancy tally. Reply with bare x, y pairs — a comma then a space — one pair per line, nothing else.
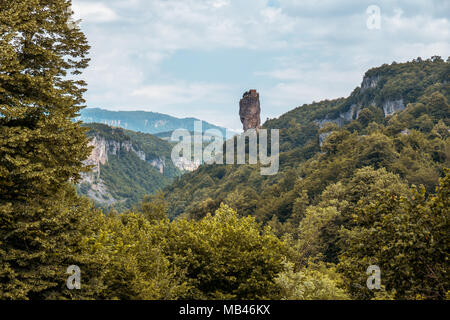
323, 137
102, 147
186, 165
99, 192
322, 122
99, 156
351, 114
369, 82
96, 188
391, 107
157, 163
140, 154
250, 110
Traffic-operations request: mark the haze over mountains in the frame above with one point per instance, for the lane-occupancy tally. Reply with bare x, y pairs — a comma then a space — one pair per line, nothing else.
143, 121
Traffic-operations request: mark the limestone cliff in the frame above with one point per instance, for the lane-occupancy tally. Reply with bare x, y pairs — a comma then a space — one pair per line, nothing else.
103, 147
352, 112
344, 117
123, 166
369, 82
391, 107
186, 165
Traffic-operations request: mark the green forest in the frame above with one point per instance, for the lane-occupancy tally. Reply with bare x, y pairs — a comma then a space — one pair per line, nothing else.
128, 178
371, 190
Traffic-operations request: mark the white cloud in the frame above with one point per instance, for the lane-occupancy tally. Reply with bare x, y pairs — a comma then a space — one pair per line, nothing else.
171, 94
93, 12
315, 50
335, 52
219, 3
305, 84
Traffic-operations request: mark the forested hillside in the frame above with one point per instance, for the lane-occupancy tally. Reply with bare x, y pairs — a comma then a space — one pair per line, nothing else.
356, 182
127, 165
324, 143
364, 182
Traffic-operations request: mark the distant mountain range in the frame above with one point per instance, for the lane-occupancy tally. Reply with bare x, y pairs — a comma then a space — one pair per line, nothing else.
143, 121
132, 154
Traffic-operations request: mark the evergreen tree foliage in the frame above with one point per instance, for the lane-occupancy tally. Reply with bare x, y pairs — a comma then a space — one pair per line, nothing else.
41, 148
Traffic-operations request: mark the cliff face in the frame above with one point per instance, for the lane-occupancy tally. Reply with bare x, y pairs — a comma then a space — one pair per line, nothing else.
389, 107
369, 82
351, 114
103, 147
157, 163
250, 110
186, 165
123, 166
97, 190
99, 155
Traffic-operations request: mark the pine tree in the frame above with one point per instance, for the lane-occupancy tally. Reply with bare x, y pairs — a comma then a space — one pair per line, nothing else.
41, 147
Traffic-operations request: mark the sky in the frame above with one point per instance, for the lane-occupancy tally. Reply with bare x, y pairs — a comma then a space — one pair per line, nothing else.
196, 58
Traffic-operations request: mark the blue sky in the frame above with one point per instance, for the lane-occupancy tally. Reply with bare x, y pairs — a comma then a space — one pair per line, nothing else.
197, 57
